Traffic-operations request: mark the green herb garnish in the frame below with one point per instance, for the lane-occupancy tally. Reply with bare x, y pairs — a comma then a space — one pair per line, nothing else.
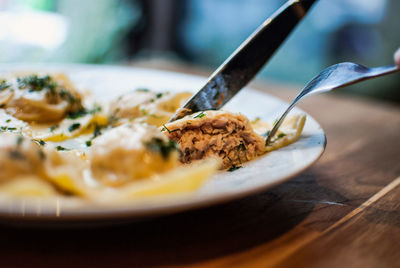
233, 168
169, 131
165, 129
144, 112
165, 148
36, 83
40, 142
74, 126
77, 114
4, 85
200, 115
281, 135
65, 94
60, 148
4, 128
52, 128
97, 131
96, 109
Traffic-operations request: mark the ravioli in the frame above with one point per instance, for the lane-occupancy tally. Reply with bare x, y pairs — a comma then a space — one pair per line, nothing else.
35, 98
57, 141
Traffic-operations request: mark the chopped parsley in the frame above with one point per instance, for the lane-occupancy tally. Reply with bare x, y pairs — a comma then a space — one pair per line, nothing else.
76, 114
52, 128
8, 120
46, 83
165, 129
144, 112
281, 135
36, 83
113, 119
169, 131
200, 115
5, 128
96, 133
96, 109
74, 127
60, 148
82, 112
66, 95
165, 148
159, 95
233, 168
4, 85
40, 142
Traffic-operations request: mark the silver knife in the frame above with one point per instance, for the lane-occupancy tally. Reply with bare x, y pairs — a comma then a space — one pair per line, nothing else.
247, 60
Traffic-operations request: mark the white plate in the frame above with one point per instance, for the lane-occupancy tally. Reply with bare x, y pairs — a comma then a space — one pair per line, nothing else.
108, 82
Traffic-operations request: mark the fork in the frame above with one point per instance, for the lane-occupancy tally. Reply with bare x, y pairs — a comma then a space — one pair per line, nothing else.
335, 76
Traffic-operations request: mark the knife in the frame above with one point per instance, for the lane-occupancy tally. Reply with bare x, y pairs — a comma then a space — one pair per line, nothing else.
245, 62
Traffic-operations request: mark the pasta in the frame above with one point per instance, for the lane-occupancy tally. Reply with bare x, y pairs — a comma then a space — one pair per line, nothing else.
56, 141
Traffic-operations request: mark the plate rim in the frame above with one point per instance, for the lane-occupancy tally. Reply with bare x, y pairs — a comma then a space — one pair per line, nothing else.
92, 212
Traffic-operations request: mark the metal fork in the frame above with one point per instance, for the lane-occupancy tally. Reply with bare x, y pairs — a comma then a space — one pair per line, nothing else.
335, 76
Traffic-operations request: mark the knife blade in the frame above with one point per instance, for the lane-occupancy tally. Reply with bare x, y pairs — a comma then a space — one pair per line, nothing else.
246, 61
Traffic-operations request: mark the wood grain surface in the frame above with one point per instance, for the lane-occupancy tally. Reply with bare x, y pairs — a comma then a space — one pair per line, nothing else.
342, 212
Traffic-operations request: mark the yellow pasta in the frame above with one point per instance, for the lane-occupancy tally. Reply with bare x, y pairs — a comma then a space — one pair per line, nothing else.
57, 141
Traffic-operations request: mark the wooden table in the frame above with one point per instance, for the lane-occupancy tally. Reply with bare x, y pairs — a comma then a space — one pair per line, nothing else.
342, 212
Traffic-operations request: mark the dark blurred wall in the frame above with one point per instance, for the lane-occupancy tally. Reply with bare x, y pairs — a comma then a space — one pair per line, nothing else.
205, 32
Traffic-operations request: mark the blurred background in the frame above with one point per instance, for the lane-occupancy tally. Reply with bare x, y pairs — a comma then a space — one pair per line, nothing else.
203, 33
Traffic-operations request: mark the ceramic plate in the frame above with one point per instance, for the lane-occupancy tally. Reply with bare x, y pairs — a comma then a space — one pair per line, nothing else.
107, 83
